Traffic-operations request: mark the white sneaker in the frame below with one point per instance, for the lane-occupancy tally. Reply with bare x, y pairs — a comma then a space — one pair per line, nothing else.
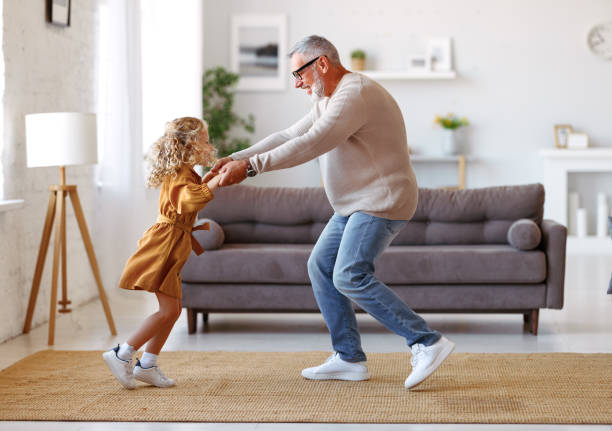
152, 375
120, 368
335, 368
426, 359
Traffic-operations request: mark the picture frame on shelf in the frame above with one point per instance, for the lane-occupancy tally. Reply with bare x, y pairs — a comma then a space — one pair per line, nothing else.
561, 132
439, 54
258, 51
58, 12
577, 141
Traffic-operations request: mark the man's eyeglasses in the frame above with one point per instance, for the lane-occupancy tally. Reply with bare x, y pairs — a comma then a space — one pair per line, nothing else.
296, 73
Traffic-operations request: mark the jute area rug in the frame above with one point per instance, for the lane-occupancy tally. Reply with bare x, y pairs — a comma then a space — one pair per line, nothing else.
268, 387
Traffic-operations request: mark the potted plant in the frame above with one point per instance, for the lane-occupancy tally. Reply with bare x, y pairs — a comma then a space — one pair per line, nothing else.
450, 123
217, 105
358, 59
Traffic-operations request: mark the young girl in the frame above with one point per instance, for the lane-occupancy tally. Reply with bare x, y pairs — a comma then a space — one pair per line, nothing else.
165, 247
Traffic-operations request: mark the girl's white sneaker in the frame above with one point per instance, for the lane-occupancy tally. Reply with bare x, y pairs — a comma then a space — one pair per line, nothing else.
120, 368
152, 376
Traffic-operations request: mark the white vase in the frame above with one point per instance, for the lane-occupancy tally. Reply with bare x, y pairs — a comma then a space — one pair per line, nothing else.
449, 142
581, 223
573, 203
602, 215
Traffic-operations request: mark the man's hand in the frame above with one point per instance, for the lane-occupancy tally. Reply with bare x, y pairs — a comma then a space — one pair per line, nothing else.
215, 169
233, 172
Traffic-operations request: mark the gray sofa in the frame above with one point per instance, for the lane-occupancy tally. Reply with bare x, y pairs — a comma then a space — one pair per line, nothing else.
453, 256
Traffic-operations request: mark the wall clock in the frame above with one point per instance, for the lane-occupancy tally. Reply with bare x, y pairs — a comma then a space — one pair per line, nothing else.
599, 40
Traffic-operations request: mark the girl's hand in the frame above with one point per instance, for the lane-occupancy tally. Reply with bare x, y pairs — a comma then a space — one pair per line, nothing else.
213, 183
215, 169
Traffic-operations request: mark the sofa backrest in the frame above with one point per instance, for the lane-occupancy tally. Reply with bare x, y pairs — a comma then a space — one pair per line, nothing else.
471, 216
298, 215
269, 214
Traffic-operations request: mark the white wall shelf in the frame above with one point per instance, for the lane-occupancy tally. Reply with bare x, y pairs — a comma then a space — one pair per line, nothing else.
398, 75
589, 153
438, 159
11, 204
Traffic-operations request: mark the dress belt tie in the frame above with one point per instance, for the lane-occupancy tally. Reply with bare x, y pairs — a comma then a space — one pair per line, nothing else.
195, 245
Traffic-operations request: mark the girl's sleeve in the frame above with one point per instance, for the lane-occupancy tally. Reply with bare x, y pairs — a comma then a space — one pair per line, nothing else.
190, 197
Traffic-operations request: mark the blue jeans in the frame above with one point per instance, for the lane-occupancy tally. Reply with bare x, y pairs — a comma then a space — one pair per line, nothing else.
341, 270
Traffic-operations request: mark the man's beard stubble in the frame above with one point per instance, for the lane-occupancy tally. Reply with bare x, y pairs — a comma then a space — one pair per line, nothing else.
318, 87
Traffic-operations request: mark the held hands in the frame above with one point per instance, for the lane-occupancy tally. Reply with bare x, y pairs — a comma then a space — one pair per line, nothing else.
233, 172
227, 171
215, 169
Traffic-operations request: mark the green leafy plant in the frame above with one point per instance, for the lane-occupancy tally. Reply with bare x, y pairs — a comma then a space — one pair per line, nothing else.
358, 54
451, 121
217, 105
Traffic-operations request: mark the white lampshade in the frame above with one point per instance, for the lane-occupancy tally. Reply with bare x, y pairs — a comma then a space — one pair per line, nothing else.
61, 139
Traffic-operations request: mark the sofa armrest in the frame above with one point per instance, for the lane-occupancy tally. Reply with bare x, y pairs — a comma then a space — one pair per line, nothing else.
554, 238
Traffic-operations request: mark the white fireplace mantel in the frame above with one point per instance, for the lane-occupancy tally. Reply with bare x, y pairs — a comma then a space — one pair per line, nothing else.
558, 163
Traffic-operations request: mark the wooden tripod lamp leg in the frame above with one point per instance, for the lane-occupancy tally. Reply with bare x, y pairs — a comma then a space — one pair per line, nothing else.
57, 246
78, 211
64, 302
40, 260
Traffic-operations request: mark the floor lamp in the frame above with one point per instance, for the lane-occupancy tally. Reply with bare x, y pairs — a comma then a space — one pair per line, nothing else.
62, 139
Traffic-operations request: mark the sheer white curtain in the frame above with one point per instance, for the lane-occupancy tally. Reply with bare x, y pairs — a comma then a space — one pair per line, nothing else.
150, 72
121, 201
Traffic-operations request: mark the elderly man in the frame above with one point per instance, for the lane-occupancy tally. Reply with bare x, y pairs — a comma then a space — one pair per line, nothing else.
356, 130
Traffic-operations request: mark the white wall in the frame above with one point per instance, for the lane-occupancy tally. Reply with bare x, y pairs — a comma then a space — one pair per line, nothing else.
522, 66
47, 69
172, 63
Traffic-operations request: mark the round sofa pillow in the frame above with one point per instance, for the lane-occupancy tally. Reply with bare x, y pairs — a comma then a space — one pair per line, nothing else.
210, 239
524, 234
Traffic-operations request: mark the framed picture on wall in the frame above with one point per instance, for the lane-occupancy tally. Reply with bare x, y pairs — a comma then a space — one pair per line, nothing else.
259, 51
58, 12
562, 132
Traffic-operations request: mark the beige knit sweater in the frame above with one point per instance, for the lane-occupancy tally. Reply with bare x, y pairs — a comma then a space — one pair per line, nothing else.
359, 136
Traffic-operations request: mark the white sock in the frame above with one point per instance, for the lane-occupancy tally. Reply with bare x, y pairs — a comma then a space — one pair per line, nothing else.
148, 360
126, 352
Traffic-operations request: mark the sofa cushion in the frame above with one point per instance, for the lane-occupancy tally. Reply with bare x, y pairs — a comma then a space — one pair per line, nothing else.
524, 234
298, 215
270, 215
250, 263
471, 216
458, 264
286, 264
212, 238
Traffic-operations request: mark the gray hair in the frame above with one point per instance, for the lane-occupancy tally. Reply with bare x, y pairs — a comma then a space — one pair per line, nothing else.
315, 46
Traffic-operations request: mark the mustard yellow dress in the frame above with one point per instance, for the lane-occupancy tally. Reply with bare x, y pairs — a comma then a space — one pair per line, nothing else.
165, 247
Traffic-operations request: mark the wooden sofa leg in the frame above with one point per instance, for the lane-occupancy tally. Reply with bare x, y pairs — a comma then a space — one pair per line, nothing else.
191, 320
534, 316
205, 320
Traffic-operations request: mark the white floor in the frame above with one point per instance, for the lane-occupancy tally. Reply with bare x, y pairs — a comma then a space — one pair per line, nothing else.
584, 325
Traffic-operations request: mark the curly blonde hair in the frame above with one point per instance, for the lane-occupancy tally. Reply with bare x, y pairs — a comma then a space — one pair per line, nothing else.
180, 144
